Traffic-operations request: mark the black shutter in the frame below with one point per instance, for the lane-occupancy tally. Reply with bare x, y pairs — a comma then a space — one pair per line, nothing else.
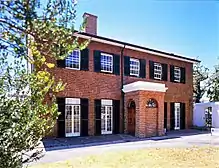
164, 72
171, 73
183, 75
182, 115
84, 117
60, 52
142, 68
165, 115
85, 59
61, 117
151, 69
97, 58
172, 116
97, 106
126, 65
116, 116
61, 63
116, 64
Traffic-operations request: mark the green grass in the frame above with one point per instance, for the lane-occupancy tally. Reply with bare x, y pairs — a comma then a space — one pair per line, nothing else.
146, 158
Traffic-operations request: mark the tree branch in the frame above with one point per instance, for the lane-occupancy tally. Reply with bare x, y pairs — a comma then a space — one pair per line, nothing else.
15, 27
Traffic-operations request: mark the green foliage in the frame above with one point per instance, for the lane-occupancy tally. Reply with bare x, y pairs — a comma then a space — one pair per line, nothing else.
36, 38
213, 91
200, 82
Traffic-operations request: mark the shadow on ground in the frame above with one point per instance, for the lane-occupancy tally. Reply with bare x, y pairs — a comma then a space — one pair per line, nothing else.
52, 144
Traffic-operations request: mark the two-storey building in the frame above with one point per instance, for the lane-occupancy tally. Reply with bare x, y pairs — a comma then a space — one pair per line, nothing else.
117, 87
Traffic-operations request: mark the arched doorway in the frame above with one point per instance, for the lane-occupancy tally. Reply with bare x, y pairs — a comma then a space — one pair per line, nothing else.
131, 117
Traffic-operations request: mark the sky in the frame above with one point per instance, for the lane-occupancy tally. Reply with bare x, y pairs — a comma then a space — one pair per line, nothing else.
188, 28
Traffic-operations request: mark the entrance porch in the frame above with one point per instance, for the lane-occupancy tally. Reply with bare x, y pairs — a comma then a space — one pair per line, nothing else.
144, 108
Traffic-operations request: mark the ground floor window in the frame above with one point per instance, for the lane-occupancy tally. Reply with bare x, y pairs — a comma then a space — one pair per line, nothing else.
177, 115
106, 116
72, 117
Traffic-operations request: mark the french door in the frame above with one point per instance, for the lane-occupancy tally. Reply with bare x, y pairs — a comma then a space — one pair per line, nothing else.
72, 120
106, 120
177, 116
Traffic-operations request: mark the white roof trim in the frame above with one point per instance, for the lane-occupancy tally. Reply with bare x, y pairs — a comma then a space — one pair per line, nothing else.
207, 104
133, 48
147, 86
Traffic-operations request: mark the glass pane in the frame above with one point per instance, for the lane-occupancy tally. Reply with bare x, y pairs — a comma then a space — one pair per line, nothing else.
68, 123
103, 122
106, 62
76, 119
103, 109
73, 60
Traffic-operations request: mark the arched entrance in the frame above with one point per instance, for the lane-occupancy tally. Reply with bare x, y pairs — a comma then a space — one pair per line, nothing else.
131, 117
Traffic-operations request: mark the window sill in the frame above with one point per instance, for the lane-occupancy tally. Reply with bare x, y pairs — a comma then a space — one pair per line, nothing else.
158, 79
72, 68
134, 75
109, 72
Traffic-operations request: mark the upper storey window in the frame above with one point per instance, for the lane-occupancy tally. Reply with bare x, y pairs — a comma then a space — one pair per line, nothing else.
134, 67
73, 60
77, 60
106, 63
177, 74
157, 71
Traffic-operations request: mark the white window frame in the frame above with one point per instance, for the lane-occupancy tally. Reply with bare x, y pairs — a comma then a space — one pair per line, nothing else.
177, 74
177, 115
105, 104
79, 60
111, 66
157, 71
134, 67
72, 102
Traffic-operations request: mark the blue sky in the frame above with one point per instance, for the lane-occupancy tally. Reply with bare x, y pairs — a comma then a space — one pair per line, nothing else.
189, 28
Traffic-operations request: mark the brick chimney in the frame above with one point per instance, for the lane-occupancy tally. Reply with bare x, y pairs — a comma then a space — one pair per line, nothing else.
91, 26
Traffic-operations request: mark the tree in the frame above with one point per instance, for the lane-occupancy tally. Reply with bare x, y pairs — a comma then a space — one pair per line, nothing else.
34, 35
200, 82
213, 91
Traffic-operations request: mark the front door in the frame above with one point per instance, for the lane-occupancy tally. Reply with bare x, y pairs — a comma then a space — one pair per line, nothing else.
131, 121
106, 120
72, 120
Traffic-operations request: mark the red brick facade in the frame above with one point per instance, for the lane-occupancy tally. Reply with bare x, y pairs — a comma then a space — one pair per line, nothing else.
97, 85
93, 85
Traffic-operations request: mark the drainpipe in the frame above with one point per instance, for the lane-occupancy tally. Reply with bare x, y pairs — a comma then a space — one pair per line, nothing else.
122, 93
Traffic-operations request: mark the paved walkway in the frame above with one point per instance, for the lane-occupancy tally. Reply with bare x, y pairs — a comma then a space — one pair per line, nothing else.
75, 142
175, 139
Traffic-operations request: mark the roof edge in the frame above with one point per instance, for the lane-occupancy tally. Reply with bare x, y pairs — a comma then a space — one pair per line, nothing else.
139, 47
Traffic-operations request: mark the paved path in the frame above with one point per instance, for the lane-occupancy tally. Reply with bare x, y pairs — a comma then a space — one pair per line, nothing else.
182, 141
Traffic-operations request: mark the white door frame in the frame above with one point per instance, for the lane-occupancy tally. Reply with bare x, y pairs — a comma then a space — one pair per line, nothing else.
72, 133
177, 115
104, 118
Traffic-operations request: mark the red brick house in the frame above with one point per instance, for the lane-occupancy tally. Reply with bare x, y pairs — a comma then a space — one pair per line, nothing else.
116, 87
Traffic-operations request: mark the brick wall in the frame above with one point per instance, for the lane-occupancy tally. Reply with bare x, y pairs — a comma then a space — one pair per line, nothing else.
149, 121
93, 85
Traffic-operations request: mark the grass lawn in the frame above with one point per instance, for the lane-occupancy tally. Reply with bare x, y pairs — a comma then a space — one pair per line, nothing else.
146, 158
